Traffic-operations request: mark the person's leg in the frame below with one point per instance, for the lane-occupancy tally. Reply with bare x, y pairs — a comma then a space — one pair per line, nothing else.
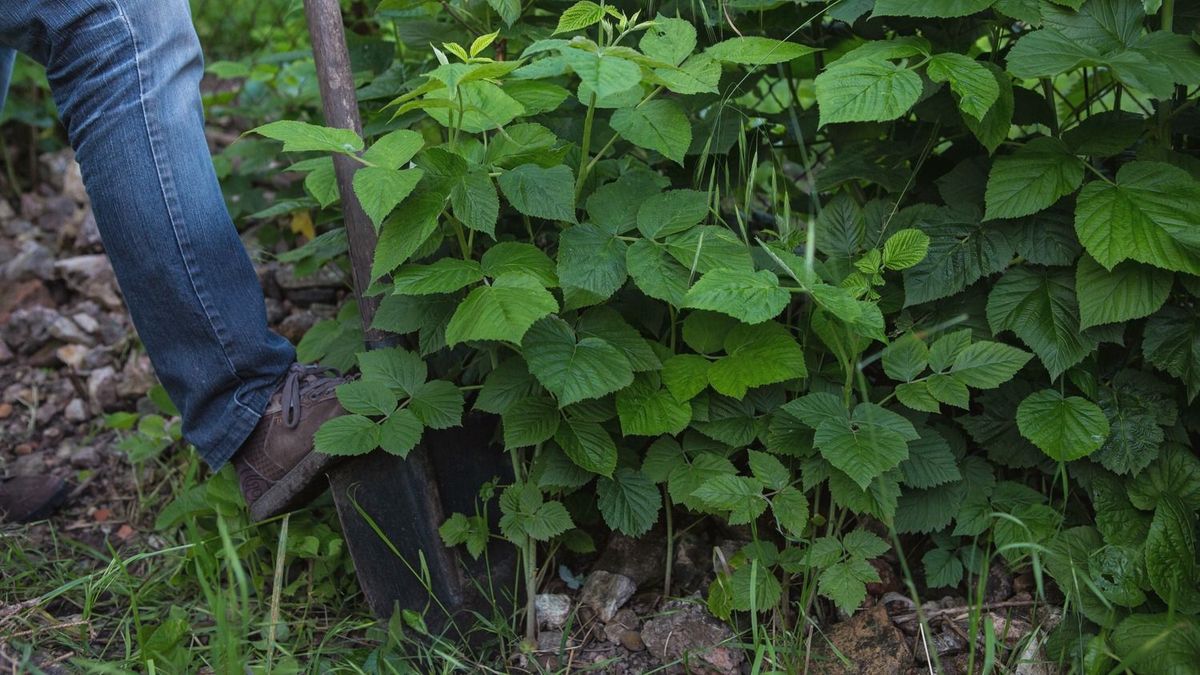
7, 59
125, 75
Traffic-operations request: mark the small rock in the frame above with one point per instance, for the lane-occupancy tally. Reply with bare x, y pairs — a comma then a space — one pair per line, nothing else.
888, 581
85, 458
88, 237
32, 261
91, 276
6, 354
72, 355
102, 388
6, 211
125, 532
641, 559
868, 640
692, 554
72, 183
624, 620
6, 410
67, 330
76, 411
552, 609
101, 515
31, 293
23, 448
897, 602
946, 643
86, 322
276, 311
999, 584
29, 464
294, 326
1010, 629
28, 329
137, 377
686, 632
632, 640
606, 592
327, 276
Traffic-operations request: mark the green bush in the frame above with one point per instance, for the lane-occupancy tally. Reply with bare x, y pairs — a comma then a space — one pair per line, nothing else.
808, 268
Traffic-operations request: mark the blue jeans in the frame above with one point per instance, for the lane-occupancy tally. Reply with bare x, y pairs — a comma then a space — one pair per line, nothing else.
125, 75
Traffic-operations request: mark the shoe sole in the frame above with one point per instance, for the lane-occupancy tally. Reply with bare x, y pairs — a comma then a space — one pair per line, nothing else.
299, 486
49, 506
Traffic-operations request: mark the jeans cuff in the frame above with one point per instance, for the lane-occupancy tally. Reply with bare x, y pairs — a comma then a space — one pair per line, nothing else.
245, 413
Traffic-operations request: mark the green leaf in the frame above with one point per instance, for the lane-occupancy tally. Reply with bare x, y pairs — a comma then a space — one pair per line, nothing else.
962, 250
513, 257
930, 462
485, 107
685, 375
305, 137
1158, 644
662, 457
672, 212
752, 297
573, 370
592, 259
668, 40
400, 370
474, 202
758, 355
400, 432
1065, 428
943, 569
646, 410
758, 51
588, 445
321, 183
658, 125
1170, 555
509, 10
791, 510
503, 311
867, 443
754, 586
438, 404
685, 479
916, 395
969, 79
993, 129
366, 398
629, 502
657, 274
401, 237
1171, 343
866, 91
395, 149
459, 529
579, 16
443, 276
1148, 215
1031, 179
379, 190
905, 358
606, 323
1129, 291
1039, 305
905, 249
347, 435
740, 496
540, 192
1176, 473
769, 470
603, 73
930, 8
926, 511
845, 583
530, 421
987, 365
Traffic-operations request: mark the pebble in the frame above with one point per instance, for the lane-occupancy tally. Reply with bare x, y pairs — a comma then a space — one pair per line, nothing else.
87, 322
552, 609
85, 458
606, 592
6, 354
102, 388
76, 411
6, 410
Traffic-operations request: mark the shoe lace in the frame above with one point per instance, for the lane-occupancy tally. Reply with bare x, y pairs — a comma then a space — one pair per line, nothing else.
303, 382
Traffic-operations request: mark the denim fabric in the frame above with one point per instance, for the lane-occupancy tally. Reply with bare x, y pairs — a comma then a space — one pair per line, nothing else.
125, 75
7, 58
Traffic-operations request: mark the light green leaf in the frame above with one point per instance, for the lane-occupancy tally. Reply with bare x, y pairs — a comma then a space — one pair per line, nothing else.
752, 297
606, 323
579, 16
672, 212
758, 51
605, 74
438, 404
474, 202
1129, 291
740, 496
401, 237
685, 375
1039, 305
629, 502
658, 125
906, 358
366, 398
592, 259
986, 365
380, 190
845, 583
1148, 215
530, 421
791, 510
866, 444
1031, 179
540, 192
400, 432
654, 272
1065, 428
443, 276
969, 79
347, 435
769, 470
588, 445
646, 410
305, 137
668, 40
757, 355
1158, 644
400, 370
866, 91
573, 370
395, 149
993, 129
930, 8
518, 257
503, 311
905, 249
473, 532
509, 10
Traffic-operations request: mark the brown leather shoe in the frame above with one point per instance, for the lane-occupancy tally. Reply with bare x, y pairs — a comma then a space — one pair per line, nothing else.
24, 499
277, 468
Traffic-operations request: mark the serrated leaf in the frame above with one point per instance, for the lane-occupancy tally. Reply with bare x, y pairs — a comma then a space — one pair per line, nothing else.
305, 137
658, 125
672, 212
930, 8
474, 201
588, 445
1158, 644
603, 73
380, 190
646, 410
866, 91
906, 358
573, 369
930, 462
540, 192
686, 375
905, 249
579, 16
442, 276
1065, 428
503, 311
395, 149
986, 365
845, 583
1147, 215
629, 502
366, 398
757, 355
791, 510
686, 478
530, 421
400, 432
866, 444
769, 470
1129, 291
668, 40
592, 259
962, 250
459, 529
400, 370
1032, 179
757, 51
943, 569
347, 435
438, 404
1039, 305
1171, 343
740, 496
969, 79
752, 297
657, 274
511, 256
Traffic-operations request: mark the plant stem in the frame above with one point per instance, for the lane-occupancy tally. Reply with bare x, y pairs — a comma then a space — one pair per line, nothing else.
1164, 106
10, 170
670, 543
585, 146
1048, 92
530, 591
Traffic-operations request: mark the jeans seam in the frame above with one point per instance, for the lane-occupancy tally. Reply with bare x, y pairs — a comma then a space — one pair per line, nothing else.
167, 187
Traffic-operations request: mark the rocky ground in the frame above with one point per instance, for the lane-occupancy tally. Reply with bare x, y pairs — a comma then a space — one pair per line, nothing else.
69, 357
